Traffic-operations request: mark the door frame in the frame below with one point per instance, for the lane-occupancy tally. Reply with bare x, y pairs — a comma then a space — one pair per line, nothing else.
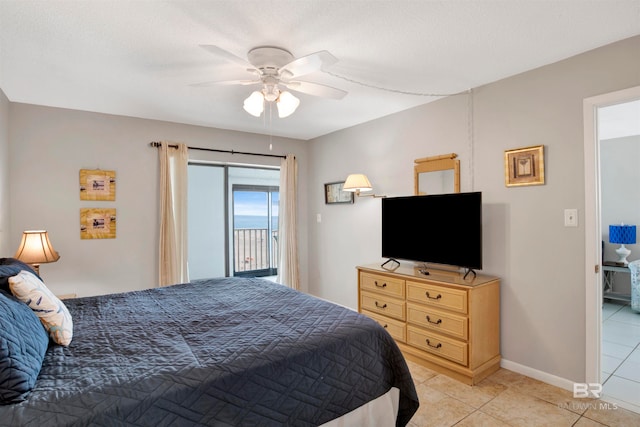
592, 229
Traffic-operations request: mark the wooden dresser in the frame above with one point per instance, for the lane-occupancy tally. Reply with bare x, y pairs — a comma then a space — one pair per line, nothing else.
440, 320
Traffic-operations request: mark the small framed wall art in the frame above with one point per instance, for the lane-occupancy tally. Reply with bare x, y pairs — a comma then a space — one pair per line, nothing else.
333, 193
97, 223
524, 166
96, 184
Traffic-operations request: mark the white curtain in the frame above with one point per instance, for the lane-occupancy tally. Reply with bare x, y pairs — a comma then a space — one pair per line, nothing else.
288, 273
173, 214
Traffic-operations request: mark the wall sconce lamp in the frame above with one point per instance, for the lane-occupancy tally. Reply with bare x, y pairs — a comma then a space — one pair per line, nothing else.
624, 235
358, 183
35, 249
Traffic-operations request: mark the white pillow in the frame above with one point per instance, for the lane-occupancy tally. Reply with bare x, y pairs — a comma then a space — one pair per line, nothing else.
52, 312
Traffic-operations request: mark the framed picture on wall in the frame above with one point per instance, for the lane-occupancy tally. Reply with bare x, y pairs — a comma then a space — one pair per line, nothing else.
97, 223
524, 166
96, 184
333, 193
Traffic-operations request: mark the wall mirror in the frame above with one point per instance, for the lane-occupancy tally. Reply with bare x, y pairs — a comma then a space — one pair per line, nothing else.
437, 175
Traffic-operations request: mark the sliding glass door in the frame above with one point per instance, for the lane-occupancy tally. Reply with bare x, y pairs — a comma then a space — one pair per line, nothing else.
233, 221
206, 221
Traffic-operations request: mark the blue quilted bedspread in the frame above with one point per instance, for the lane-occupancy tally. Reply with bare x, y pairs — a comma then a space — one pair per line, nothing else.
219, 352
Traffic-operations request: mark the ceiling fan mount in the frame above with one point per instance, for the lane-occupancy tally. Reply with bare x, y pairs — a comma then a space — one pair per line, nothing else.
269, 59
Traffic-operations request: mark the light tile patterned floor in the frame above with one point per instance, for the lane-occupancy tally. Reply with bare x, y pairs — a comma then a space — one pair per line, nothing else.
507, 399
621, 354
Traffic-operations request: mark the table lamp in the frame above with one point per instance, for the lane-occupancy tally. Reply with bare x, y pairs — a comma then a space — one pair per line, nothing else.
624, 235
35, 249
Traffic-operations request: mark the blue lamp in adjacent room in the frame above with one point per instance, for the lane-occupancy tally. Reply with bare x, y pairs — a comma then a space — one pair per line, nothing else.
624, 235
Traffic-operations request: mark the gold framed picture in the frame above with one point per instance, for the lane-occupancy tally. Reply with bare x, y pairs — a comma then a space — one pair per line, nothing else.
96, 184
97, 223
524, 166
333, 193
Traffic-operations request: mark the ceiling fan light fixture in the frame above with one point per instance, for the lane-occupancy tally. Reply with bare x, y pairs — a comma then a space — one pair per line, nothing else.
287, 104
271, 93
254, 104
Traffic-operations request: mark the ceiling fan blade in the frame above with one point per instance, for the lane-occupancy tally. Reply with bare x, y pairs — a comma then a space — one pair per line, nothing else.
227, 83
308, 64
315, 89
227, 55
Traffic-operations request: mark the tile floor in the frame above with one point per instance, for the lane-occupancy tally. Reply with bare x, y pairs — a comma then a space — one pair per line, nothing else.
508, 399
620, 362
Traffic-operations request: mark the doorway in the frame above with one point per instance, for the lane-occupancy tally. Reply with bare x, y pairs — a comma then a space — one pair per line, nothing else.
595, 360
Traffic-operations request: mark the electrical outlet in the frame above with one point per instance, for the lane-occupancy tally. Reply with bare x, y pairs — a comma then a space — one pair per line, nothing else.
571, 217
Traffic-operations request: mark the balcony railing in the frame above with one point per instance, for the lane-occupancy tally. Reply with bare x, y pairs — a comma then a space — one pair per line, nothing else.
251, 249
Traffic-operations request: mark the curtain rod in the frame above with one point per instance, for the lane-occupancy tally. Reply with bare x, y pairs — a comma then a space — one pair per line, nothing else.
157, 144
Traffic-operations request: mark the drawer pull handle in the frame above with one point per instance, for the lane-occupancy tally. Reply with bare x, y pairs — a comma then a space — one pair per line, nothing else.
385, 326
437, 322
437, 297
384, 285
381, 306
433, 346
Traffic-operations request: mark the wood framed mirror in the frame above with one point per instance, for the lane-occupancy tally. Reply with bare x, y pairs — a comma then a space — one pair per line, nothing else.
437, 175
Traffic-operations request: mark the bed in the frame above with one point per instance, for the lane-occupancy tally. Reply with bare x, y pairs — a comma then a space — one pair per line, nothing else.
220, 352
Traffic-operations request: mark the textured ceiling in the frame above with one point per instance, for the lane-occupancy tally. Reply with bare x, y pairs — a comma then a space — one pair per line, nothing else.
139, 58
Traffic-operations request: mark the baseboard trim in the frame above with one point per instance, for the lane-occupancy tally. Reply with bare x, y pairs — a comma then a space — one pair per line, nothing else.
538, 375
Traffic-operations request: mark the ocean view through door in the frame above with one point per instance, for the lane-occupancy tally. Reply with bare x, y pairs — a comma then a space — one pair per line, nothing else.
255, 230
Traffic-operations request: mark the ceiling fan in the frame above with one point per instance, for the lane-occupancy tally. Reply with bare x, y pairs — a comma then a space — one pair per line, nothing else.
275, 69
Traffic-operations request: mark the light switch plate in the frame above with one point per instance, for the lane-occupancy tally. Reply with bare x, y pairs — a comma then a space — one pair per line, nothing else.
571, 217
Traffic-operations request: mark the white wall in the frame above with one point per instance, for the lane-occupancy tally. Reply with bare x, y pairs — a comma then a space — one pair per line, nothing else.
5, 247
48, 147
540, 262
620, 201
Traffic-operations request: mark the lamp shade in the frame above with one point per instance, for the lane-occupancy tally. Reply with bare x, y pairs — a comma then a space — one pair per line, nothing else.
287, 104
254, 104
35, 248
623, 234
357, 182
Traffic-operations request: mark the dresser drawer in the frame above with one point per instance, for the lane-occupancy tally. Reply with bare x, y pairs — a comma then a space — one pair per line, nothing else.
395, 328
443, 322
438, 296
437, 344
382, 304
382, 284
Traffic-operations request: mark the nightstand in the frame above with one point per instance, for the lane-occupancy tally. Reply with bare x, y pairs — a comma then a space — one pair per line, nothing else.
610, 269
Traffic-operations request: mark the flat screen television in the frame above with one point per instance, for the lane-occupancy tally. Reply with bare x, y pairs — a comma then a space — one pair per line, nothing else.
441, 229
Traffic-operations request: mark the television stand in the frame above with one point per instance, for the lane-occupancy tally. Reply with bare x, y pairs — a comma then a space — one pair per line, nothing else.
394, 266
466, 274
446, 321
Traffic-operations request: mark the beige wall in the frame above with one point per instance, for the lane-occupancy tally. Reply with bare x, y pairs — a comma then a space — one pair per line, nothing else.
4, 176
540, 262
48, 148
